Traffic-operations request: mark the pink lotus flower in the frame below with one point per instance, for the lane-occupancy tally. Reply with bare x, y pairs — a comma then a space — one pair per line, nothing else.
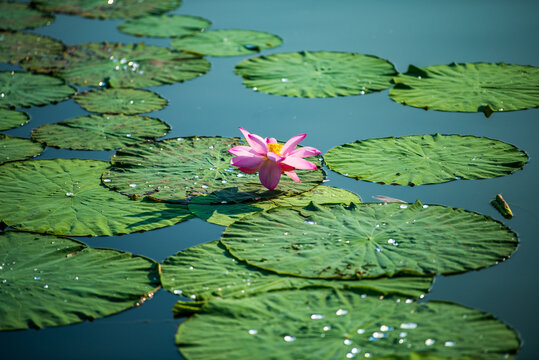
271, 159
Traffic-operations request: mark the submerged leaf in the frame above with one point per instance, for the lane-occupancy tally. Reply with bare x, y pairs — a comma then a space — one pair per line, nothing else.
17, 16
121, 101
16, 46
208, 271
52, 281
164, 25
100, 132
14, 148
469, 87
177, 170
425, 159
227, 42
330, 324
66, 197
316, 74
369, 240
11, 119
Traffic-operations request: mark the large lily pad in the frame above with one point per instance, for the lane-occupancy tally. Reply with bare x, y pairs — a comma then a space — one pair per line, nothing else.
225, 214
14, 148
11, 119
369, 240
66, 197
176, 170
51, 281
469, 87
227, 42
111, 9
331, 324
208, 271
121, 101
316, 74
164, 25
100, 132
425, 159
17, 16
130, 65
25, 89
15, 47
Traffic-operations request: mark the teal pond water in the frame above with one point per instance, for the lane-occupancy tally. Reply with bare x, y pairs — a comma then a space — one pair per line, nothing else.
413, 32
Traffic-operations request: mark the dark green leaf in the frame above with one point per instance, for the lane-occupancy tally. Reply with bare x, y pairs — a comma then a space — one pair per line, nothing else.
15, 47
164, 25
11, 119
121, 101
17, 16
14, 148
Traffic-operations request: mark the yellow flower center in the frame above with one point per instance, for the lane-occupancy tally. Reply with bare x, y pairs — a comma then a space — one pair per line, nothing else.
275, 148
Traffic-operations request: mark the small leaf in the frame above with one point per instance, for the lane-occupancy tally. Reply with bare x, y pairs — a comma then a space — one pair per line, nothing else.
14, 148
11, 119
121, 101
17, 16
164, 25
501, 205
16, 46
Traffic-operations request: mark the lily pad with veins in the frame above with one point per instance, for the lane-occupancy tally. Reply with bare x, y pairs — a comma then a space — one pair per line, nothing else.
15, 148
18, 16
121, 101
11, 119
17, 46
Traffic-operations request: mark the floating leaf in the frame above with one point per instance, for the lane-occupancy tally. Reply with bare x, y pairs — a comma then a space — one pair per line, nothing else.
164, 25
369, 240
25, 89
15, 47
225, 214
17, 16
111, 9
11, 119
469, 87
501, 205
208, 271
128, 65
316, 74
425, 159
51, 281
176, 170
66, 197
121, 101
330, 324
100, 132
14, 148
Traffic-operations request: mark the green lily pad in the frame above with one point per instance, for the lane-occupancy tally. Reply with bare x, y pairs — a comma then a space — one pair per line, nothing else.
128, 65
121, 101
14, 148
425, 159
66, 197
331, 324
227, 42
176, 170
51, 281
100, 132
164, 26
225, 214
111, 9
15, 47
17, 16
316, 74
369, 240
25, 89
469, 87
208, 271
10, 119
70, 56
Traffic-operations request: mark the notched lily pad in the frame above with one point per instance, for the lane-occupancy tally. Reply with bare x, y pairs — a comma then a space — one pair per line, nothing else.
121, 101
316, 74
51, 281
177, 170
127, 65
16, 46
164, 25
208, 271
100, 132
25, 89
425, 159
227, 42
10, 119
205, 207
469, 87
18, 16
331, 324
111, 9
66, 197
14, 148
369, 240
